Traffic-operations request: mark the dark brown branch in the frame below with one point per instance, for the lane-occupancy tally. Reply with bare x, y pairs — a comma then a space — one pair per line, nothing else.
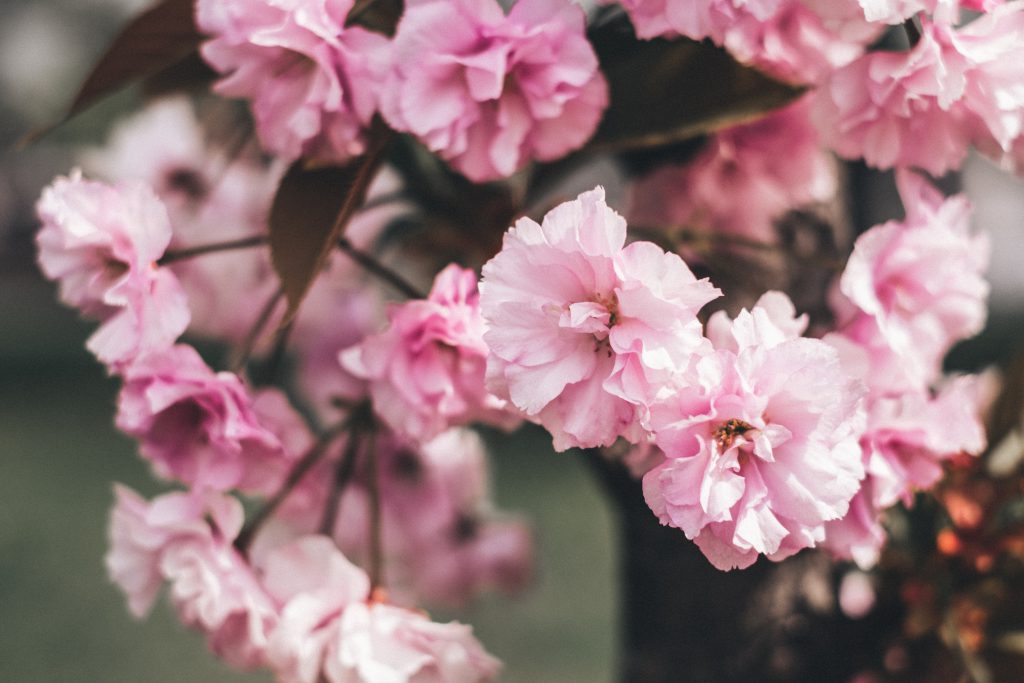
302, 467
212, 248
378, 269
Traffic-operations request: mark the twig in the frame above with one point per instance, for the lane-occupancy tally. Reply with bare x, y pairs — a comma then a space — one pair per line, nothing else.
375, 267
311, 458
343, 472
199, 250
241, 355
376, 568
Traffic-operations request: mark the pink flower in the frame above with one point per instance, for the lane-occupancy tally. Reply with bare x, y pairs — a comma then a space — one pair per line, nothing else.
381, 642
426, 370
330, 630
803, 41
441, 524
926, 106
186, 540
914, 288
490, 92
760, 445
310, 78
101, 243
210, 198
793, 40
907, 439
198, 426
582, 331
314, 583
896, 108
744, 179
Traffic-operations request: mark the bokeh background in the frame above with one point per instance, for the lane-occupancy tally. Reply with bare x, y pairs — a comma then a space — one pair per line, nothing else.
61, 620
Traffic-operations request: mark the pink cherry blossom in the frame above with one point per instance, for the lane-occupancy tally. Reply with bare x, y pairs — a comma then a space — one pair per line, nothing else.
583, 331
794, 40
907, 439
314, 582
761, 446
426, 370
490, 92
745, 178
199, 426
915, 287
210, 198
440, 521
803, 41
331, 630
311, 79
381, 642
926, 106
101, 243
185, 539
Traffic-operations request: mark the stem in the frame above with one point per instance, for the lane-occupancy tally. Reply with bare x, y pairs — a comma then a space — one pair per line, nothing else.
343, 472
913, 32
375, 267
376, 570
241, 356
308, 460
199, 250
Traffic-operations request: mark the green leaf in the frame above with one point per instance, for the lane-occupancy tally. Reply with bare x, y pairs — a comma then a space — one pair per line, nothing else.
158, 38
311, 209
666, 91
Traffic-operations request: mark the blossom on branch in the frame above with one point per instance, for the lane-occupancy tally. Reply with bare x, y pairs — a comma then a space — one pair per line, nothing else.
760, 441
583, 330
101, 243
426, 370
312, 80
490, 92
199, 426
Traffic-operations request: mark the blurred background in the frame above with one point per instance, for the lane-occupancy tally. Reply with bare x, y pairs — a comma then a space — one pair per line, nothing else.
61, 620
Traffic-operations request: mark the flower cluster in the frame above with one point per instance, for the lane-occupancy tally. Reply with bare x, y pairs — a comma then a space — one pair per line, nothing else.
755, 432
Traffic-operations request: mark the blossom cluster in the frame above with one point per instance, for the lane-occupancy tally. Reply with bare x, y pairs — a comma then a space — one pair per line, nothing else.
755, 432
279, 590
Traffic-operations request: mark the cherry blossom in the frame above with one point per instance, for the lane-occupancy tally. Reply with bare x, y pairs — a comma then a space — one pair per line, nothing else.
101, 243
745, 178
760, 442
426, 370
199, 426
312, 80
490, 92
582, 330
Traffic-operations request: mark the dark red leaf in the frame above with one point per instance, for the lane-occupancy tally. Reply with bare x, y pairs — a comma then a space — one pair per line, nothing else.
311, 209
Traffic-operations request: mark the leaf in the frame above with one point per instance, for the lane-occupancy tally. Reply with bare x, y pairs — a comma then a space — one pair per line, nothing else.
666, 91
311, 209
158, 38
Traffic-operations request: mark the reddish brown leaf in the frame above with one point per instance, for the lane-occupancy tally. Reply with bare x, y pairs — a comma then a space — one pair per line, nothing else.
311, 209
665, 91
158, 38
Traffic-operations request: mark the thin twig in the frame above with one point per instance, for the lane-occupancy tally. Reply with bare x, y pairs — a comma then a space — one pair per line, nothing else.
343, 472
214, 247
376, 568
241, 355
375, 267
304, 465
